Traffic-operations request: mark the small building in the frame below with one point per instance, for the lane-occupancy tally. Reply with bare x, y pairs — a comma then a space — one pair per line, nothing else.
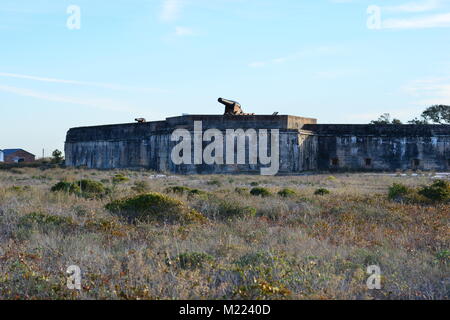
16, 156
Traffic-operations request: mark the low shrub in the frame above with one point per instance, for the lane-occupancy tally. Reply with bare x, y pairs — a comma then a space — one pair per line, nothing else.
232, 209
192, 260
178, 189
254, 184
241, 191
154, 207
260, 191
91, 188
321, 192
46, 221
439, 191
141, 187
64, 186
286, 192
181, 190
119, 178
443, 256
85, 188
398, 191
254, 259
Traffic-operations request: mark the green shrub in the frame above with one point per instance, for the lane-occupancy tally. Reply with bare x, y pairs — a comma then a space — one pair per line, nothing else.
233, 209
241, 191
119, 178
181, 190
443, 256
154, 207
141, 187
286, 192
178, 189
260, 191
321, 192
91, 188
254, 184
192, 260
254, 259
398, 191
46, 220
84, 188
64, 186
438, 191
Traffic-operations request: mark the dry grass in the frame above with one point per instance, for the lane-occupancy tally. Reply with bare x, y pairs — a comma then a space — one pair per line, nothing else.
302, 246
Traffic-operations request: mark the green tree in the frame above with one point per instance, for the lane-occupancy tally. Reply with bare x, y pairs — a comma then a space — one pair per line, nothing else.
418, 121
434, 114
57, 157
385, 118
437, 114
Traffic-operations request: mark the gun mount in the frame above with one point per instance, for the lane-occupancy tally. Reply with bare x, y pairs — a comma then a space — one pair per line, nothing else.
233, 108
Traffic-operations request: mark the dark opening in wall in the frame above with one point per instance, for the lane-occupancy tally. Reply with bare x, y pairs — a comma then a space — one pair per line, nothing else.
448, 162
368, 162
415, 163
335, 162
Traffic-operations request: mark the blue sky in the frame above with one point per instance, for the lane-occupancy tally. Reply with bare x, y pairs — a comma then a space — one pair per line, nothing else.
159, 58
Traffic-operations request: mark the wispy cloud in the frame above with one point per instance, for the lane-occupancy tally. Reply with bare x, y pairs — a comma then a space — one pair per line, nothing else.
429, 21
80, 83
429, 91
321, 50
171, 10
422, 6
408, 21
105, 104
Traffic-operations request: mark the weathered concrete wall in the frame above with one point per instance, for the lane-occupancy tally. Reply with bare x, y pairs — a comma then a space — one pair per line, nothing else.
389, 147
304, 145
149, 145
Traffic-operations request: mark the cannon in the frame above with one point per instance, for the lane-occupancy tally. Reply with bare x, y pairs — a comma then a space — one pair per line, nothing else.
233, 108
140, 120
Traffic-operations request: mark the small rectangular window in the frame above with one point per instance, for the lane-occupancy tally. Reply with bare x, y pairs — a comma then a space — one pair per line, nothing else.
335, 162
368, 162
416, 162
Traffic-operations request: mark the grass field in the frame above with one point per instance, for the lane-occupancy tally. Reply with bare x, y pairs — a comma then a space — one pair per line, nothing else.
237, 245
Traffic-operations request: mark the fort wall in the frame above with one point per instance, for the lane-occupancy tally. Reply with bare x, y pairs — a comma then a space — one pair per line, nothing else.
304, 145
148, 145
383, 147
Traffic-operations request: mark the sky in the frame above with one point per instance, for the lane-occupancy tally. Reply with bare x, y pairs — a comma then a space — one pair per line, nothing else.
78, 63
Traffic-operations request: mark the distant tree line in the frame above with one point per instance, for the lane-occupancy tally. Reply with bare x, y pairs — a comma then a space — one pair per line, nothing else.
437, 114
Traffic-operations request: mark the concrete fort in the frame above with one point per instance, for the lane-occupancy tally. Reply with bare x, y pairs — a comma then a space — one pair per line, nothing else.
303, 145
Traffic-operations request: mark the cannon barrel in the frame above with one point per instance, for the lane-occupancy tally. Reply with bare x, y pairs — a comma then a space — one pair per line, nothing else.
228, 102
